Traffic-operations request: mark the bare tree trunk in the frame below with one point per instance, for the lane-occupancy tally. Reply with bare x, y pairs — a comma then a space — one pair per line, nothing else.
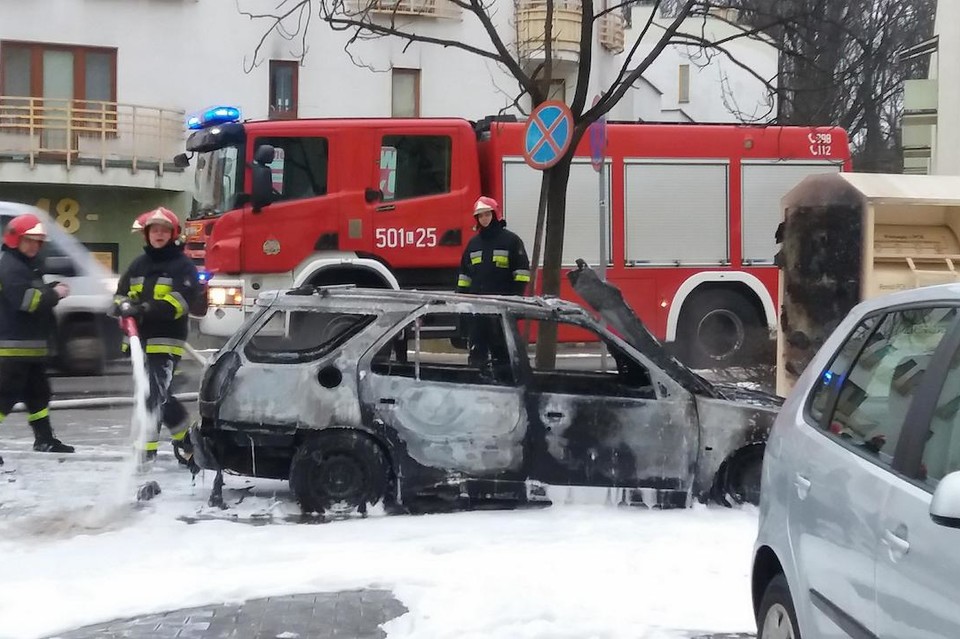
559, 176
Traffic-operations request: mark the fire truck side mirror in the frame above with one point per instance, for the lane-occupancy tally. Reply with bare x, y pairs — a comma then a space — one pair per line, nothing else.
262, 188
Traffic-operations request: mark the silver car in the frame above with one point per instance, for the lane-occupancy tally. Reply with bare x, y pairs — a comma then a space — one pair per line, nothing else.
860, 493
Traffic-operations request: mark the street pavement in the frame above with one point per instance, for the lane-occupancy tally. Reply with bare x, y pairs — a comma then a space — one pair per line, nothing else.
352, 613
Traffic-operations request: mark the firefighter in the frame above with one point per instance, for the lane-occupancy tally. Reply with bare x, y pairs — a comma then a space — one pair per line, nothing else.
494, 263
26, 324
157, 290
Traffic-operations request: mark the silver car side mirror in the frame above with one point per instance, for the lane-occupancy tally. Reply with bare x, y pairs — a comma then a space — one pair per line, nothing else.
945, 506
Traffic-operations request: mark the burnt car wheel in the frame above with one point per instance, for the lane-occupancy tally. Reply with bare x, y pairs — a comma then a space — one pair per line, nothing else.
339, 471
744, 479
738, 479
777, 618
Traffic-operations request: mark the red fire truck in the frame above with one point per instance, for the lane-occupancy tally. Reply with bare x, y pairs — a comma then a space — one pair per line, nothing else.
387, 203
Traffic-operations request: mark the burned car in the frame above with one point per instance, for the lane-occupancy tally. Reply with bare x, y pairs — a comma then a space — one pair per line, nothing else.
360, 396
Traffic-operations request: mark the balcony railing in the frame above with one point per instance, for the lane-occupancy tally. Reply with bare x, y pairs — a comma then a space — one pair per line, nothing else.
89, 132
611, 26
410, 8
531, 29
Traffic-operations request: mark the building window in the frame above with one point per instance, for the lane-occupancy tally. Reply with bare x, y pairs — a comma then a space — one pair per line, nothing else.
406, 93
558, 91
284, 81
58, 72
64, 92
684, 91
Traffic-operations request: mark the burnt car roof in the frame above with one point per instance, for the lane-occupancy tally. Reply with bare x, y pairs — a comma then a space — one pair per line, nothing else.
605, 299
389, 299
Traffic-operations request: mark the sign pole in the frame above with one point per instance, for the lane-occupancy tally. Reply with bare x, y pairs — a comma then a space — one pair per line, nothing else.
602, 173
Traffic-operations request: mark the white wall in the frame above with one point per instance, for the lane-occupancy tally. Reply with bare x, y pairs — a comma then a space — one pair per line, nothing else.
188, 54
720, 90
943, 66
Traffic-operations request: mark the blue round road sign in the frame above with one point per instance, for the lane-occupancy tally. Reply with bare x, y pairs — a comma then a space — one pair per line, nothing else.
547, 135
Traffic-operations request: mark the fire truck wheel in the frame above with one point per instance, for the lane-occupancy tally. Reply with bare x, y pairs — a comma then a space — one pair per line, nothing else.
718, 328
340, 472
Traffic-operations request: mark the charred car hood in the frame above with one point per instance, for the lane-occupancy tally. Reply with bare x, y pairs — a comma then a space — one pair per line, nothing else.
608, 301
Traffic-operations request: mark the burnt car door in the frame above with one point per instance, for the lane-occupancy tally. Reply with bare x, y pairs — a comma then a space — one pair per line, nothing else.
611, 420
445, 411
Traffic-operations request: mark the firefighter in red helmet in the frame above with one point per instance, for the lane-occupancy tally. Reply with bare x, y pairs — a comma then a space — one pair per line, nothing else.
26, 324
157, 290
494, 263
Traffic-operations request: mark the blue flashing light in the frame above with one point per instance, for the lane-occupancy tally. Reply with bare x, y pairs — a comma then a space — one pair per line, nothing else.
827, 377
213, 116
203, 276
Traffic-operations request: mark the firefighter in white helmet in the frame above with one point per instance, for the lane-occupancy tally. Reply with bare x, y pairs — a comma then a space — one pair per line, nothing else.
494, 263
158, 290
26, 326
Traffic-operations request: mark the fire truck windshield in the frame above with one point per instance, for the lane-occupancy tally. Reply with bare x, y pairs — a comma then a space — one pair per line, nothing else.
218, 177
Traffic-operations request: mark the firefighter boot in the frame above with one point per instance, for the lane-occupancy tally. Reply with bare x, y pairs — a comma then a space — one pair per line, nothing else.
43, 439
183, 451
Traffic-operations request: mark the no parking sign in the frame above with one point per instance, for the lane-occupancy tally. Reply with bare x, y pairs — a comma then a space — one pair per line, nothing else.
547, 135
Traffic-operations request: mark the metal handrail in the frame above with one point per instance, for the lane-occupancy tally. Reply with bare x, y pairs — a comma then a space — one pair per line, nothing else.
71, 130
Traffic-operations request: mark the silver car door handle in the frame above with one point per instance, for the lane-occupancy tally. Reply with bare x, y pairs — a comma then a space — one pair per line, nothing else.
897, 544
803, 486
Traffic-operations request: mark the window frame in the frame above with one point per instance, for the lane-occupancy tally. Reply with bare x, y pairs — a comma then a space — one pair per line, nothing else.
610, 341
289, 114
271, 139
404, 71
683, 84
79, 98
79, 66
908, 452
324, 350
383, 134
387, 338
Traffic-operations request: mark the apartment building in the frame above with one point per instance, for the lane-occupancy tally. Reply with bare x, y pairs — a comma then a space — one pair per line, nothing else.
94, 93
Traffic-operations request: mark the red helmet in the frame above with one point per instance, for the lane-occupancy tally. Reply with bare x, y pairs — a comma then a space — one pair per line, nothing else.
485, 203
27, 225
164, 217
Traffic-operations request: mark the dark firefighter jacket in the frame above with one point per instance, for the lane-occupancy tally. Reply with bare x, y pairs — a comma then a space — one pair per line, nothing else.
26, 307
164, 281
494, 263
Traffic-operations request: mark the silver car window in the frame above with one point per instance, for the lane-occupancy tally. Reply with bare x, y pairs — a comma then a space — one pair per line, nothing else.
874, 397
941, 452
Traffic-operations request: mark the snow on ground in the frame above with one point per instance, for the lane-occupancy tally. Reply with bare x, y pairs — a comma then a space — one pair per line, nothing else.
75, 550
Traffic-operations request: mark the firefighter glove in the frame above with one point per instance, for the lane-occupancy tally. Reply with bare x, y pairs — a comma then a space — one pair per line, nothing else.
128, 308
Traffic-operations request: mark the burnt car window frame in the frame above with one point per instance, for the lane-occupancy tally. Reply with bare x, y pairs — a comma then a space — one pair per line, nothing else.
906, 457
300, 356
389, 336
610, 339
